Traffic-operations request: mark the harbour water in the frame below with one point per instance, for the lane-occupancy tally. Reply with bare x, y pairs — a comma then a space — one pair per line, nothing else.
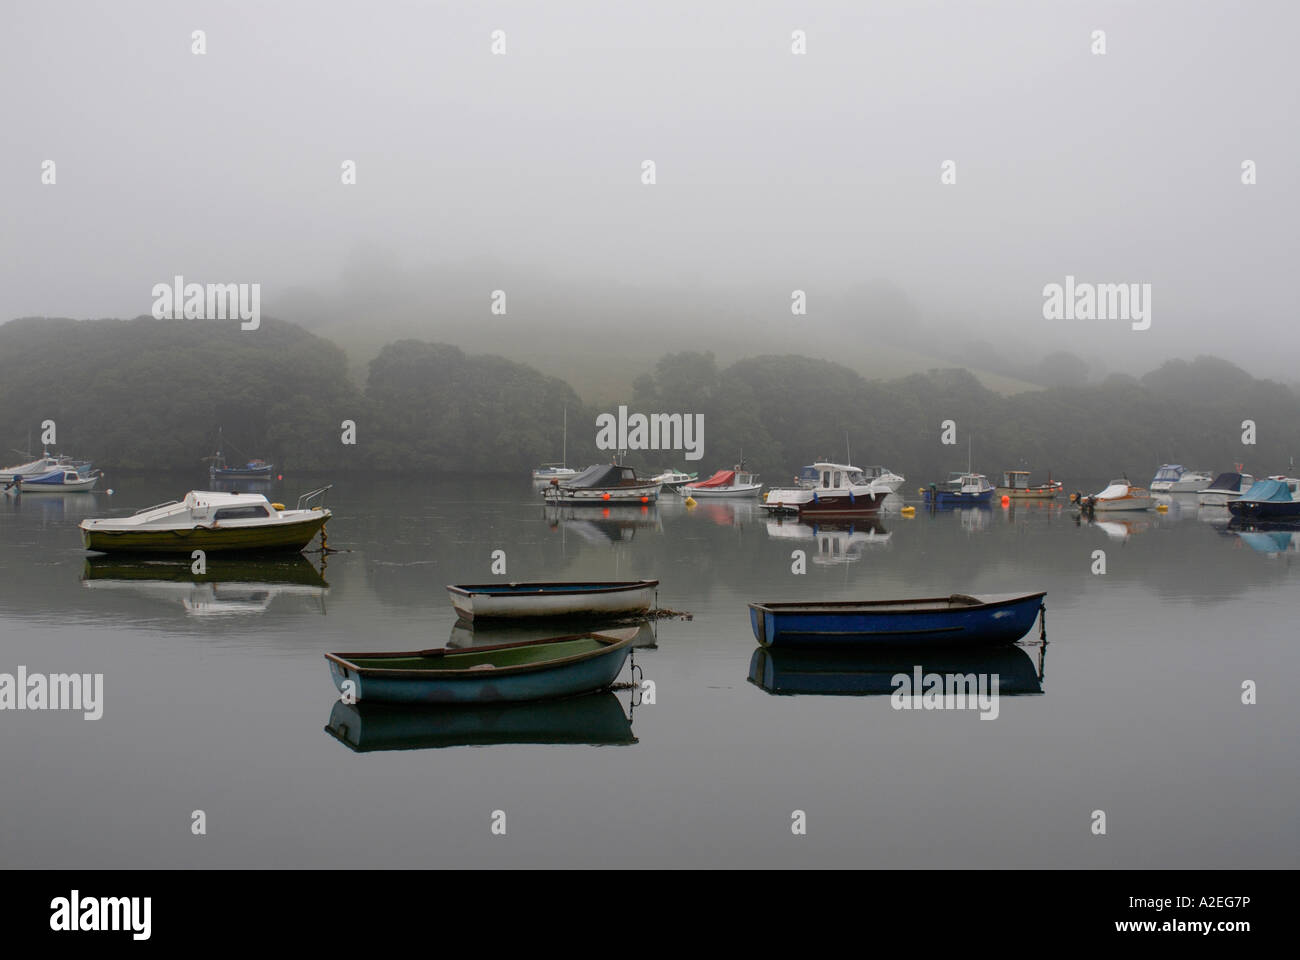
216, 695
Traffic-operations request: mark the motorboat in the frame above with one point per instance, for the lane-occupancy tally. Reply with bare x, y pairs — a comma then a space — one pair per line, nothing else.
884, 478
211, 521
1277, 498
960, 490
1175, 478
43, 464
1016, 486
1225, 487
58, 480
840, 490
251, 469
674, 480
736, 482
601, 484
1118, 495
551, 471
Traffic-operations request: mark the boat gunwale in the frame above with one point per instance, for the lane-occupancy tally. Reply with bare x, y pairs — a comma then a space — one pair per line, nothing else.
616, 586
832, 606
611, 644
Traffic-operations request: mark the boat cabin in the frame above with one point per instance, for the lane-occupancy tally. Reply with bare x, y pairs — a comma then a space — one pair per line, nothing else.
1015, 479
602, 476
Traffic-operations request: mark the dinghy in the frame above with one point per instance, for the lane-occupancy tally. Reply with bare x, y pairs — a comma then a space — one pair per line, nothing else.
533, 670
492, 601
958, 620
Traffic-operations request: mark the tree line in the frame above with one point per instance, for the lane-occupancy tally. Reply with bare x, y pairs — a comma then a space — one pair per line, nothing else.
145, 394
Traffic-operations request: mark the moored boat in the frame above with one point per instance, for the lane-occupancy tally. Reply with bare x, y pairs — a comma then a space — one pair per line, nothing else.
493, 601
674, 480
1016, 486
602, 483
957, 620
884, 478
1175, 478
1277, 498
59, 480
963, 490
210, 521
840, 490
736, 482
1118, 495
532, 670
553, 471
1225, 487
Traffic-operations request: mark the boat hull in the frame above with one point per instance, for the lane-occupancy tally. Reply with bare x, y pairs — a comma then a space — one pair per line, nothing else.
947, 498
1038, 493
815, 504
567, 677
1120, 505
293, 535
718, 493
1265, 509
934, 621
475, 602
597, 496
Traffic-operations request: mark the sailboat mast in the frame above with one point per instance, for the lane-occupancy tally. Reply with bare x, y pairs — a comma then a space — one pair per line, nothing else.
564, 449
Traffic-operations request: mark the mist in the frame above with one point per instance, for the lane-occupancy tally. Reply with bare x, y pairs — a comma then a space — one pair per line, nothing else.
774, 172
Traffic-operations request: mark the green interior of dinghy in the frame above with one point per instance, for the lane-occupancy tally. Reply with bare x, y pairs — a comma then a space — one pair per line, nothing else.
469, 658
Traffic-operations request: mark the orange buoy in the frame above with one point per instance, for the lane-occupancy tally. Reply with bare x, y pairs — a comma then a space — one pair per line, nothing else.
645, 499
1006, 500
604, 496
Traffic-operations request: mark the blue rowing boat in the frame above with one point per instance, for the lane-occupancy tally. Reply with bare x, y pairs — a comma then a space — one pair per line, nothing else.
503, 673
958, 620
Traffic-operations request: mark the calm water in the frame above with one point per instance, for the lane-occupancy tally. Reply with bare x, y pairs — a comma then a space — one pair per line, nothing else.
217, 696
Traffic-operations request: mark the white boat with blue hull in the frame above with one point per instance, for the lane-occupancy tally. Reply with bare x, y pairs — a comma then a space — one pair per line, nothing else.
510, 601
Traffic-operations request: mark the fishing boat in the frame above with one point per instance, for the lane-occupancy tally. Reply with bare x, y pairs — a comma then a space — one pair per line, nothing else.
561, 470
531, 670
251, 469
59, 480
508, 601
674, 480
840, 490
1118, 495
1016, 485
1277, 498
884, 478
1175, 478
957, 620
736, 482
962, 490
597, 719
602, 484
1225, 487
210, 521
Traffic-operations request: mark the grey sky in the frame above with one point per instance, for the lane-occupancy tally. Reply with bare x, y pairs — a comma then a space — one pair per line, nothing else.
775, 172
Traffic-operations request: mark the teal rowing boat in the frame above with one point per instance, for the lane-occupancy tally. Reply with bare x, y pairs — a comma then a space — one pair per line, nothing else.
531, 670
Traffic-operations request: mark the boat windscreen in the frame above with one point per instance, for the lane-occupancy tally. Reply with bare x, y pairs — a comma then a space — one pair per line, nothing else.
1170, 471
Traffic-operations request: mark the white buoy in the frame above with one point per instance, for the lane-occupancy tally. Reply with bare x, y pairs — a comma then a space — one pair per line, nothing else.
109, 491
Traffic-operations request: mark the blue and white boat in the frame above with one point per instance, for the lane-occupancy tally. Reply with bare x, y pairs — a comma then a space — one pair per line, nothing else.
965, 490
1277, 498
957, 620
59, 480
532, 670
1175, 478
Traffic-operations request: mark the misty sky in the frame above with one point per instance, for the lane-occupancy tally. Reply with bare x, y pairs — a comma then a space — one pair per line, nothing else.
775, 171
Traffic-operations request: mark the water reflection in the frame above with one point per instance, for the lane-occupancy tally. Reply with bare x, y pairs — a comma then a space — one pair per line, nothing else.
226, 587
870, 673
836, 542
596, 719
616, 523
490, 634
1115, 529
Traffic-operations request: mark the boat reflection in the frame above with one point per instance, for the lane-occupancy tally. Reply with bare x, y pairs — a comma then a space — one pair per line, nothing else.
1115, 529
859, 674
725, 513
839, 541
487, 634
1273, 539
226, 587
597, 719
616, 523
